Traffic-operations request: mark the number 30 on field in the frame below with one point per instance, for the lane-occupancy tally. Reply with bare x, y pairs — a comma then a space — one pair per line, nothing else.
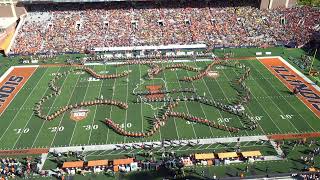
90, 127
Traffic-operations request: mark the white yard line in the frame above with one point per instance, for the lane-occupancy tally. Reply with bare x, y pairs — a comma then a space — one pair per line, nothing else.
175, 124
174, 119
14, 118
208, 90
94, 116
294, 69
4, 75
194, 131
142, 120
287, 103
32, 111
274, 102
19, 90
75, 127
64, 113
267, 113
202, 109
110, 113
248, 108
228, 100
126, 119
50, 109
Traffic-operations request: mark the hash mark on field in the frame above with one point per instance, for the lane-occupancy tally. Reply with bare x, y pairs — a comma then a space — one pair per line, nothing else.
228, 100
110, 113
174, 119
186, 106
64, 113
121, 84
142, 121
263, 90
50, 109
95, 111
126, 119
208, 90
16, 115
74, 128
32, 111
293, 108
217, 99
247, 106
202, 108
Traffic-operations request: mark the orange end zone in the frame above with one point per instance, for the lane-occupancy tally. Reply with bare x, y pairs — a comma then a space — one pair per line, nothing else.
12, 83
309, 95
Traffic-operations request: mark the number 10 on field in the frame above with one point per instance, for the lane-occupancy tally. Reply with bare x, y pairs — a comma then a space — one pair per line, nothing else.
22, 130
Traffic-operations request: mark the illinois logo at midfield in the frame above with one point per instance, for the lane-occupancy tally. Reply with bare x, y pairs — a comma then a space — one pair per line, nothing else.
79, 114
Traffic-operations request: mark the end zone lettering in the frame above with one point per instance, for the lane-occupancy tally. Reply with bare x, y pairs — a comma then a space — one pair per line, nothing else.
8, 87
312, 97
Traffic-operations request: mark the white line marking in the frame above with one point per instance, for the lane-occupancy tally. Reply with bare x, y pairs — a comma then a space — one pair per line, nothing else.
75, 127
64, 113
32, 111
95, 111
19, 108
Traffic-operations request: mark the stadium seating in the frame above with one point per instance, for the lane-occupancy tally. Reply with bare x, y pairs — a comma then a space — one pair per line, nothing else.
78, 28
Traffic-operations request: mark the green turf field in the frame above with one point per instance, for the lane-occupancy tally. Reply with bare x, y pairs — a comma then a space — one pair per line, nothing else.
272, 105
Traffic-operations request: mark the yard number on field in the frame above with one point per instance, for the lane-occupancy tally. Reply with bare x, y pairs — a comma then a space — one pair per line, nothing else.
56, 129
22, 130
256, 118
224, 120
190, 122
286, 116
127, 125
89, 127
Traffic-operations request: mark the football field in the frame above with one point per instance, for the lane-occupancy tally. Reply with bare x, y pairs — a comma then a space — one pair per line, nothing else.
272, 105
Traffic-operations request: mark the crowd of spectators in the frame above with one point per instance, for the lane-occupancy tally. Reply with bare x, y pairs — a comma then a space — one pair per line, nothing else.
309, 176
79, 27
11, 167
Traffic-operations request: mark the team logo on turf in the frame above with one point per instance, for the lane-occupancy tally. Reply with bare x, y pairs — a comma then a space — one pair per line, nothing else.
79, 114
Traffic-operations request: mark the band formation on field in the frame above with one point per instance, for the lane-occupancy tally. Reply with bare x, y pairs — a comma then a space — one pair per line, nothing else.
156, 94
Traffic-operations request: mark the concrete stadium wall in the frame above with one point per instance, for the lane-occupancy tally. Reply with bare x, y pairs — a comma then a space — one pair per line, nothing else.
7, 31
5, 10
264, 4
272, 4
292, 3
278, 4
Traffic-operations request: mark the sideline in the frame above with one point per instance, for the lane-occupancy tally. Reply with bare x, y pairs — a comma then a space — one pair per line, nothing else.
24, 151
194, 141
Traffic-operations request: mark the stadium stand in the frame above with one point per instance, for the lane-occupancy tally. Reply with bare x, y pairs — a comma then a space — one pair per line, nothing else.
80, 27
